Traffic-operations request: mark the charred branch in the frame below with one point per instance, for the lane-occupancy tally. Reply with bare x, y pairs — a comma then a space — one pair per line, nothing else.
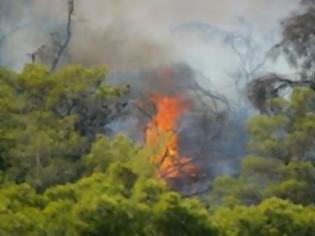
68, 37
269, 86
51, 53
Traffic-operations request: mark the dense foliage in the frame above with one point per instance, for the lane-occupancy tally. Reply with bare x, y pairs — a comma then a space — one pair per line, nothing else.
281, 161
60, 175
49, 122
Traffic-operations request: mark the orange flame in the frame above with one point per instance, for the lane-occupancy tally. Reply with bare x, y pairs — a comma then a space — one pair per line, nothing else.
170, 163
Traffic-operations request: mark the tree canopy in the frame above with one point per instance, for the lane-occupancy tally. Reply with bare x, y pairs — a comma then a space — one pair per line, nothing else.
61, 174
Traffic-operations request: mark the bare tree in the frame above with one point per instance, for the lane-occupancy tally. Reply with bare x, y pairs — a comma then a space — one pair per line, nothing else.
298, 46
250, 53
63, 46
270, 86
53, 51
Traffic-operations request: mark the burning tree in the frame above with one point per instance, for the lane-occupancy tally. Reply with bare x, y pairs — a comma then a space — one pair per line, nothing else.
170, 163
180, 120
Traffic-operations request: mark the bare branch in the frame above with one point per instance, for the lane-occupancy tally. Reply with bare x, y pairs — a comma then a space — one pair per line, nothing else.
68, 37
269, 86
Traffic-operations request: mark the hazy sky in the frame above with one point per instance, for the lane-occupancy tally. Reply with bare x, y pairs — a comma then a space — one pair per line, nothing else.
132, 34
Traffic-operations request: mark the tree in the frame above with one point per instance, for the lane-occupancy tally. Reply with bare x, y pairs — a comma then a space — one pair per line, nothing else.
297, 45
250, 53
282, 156
288, 133
271, 217
98, 205
298, 39
48, 121
52, 52
175, 216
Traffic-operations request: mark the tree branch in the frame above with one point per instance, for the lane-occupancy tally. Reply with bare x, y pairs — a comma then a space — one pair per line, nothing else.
68, 37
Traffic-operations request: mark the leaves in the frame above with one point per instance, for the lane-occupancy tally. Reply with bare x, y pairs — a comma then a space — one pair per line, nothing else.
271, 217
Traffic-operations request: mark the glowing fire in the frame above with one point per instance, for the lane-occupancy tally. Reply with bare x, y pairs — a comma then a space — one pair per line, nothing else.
162, 129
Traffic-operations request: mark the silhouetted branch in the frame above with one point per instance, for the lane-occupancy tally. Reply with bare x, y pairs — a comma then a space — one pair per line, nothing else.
269, 86
68, 37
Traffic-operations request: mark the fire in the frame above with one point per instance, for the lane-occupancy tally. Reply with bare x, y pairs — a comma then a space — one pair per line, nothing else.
161, 128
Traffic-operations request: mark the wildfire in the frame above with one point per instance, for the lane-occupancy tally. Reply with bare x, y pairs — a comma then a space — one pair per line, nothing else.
160, 133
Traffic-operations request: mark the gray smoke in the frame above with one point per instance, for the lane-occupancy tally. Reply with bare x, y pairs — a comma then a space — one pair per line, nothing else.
136, 40
127, 34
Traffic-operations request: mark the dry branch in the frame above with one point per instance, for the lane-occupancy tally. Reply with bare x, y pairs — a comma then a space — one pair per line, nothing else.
68, 37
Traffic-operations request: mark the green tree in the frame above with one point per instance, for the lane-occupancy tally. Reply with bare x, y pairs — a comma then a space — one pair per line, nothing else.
48, 121
298, 37
175, 216
288, 133
281, 161
274, 217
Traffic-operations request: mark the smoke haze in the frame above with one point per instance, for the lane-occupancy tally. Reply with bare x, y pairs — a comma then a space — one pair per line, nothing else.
134, 34
135, 38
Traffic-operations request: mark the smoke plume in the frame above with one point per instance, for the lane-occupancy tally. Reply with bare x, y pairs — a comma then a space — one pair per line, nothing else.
136, 40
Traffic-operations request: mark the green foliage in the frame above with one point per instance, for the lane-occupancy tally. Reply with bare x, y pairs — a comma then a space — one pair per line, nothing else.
61, 175
175, 216
48, 122
262, 178
99, 205
282, 156
272, 217
105, 151
297, 38
91, 206
289, 134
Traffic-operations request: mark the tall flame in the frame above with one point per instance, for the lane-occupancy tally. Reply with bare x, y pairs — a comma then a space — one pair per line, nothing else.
161, 128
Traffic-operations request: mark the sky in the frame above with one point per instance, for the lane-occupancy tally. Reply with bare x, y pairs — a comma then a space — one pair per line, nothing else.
132, 35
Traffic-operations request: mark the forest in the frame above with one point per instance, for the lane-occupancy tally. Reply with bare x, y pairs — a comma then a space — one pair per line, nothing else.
72, 162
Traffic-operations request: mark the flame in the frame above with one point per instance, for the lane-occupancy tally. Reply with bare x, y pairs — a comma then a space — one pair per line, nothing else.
162, 127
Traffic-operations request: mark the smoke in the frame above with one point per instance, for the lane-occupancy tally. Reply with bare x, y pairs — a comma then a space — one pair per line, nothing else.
130, 34
136, 40
206, 133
